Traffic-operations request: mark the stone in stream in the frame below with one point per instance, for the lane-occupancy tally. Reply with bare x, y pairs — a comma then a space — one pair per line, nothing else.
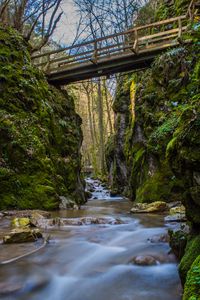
176, 218
144, 260
154, 207
25, 213
22, 235
176, 214
20, 222
43, 223
7, 288
163, 238
66, 203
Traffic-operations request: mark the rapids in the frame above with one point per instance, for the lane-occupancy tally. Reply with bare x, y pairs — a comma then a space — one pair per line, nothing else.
92, 262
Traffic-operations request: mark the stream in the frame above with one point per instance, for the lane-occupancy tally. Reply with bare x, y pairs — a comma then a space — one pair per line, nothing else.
93, 262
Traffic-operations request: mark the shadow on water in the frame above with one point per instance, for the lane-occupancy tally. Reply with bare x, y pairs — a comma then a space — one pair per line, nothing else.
92, 262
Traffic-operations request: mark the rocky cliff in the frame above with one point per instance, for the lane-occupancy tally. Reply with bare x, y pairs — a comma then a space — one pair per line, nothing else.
154, 154
40, 134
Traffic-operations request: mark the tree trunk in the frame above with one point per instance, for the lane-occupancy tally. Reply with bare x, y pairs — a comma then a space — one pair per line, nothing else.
101, 129
107, 106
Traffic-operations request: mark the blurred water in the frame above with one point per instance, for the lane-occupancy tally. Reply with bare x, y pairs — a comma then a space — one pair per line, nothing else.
92, 262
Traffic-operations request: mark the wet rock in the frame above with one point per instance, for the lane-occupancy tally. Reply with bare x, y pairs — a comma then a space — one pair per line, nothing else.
25, 213
88, 194
176, 218
36, 219
43, 223
9, 288
144, 260
158, 206
22, 235
1, 215
163, 238
177, 210
66, 203
174, 204
20, 222
113, 193
176, 214
177, 242
91, 220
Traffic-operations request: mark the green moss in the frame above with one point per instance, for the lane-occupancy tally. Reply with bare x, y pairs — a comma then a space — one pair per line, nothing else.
191, 253
40, 133
192, 286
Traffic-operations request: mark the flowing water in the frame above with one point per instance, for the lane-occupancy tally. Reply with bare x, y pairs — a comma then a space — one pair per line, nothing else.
92, 262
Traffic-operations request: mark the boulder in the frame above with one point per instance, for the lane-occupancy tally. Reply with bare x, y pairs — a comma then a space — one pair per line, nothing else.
176, 218
154, 207
66, 203
177, 210
22, 235
163, 238
9, 288
43, 223
20, 222
144, 260
25, 213
178, 242
176, 214
36, 219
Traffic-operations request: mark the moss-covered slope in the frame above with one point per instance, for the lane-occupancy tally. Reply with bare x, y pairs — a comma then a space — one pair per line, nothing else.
40, 134
154, 154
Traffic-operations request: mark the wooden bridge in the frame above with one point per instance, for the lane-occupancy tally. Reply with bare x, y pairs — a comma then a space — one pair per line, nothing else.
129, 50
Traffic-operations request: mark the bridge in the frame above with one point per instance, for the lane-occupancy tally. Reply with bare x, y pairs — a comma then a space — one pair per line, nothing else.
121, 52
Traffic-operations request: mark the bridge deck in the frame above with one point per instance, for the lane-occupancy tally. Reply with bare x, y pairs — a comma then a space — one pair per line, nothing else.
124, 51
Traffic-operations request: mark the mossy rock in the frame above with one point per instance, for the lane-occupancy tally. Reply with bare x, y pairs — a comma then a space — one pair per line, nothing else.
191, 252
192, 285
40, 134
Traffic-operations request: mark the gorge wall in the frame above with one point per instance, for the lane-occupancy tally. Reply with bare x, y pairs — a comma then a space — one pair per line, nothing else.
40, 135
154, 154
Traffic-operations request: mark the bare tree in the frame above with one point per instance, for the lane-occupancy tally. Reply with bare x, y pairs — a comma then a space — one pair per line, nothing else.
32, 18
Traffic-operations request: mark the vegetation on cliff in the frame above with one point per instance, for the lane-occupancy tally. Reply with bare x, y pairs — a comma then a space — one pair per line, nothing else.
40, 134
154, 154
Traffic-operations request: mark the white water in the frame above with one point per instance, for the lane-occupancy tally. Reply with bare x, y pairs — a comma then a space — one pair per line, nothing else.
92, 262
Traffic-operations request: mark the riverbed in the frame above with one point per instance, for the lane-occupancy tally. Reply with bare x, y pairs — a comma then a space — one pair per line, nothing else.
94, 262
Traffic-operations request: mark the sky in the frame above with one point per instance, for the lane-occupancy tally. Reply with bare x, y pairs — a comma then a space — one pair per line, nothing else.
66, 29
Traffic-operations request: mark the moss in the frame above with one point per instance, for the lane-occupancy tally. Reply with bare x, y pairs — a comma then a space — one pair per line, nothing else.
191, 253
192, 286
40, 134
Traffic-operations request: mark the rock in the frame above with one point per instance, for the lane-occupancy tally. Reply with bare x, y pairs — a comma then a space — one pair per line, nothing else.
174, 204
177, 210
9, 288
113, 193
195, 194
176, 218
1, 215
177, 242
66, 203
22, 235
43, 223
25, 213
91, 220
144, 260
36, 219
163, 238
88, 194
20, 222
158, 206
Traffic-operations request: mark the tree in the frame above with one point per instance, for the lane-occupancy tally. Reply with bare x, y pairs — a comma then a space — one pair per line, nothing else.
32, 18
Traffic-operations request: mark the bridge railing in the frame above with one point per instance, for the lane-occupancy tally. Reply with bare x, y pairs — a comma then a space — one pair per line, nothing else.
135, 41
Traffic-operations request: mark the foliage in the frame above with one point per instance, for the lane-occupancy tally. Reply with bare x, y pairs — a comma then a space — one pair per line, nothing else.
40, 134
